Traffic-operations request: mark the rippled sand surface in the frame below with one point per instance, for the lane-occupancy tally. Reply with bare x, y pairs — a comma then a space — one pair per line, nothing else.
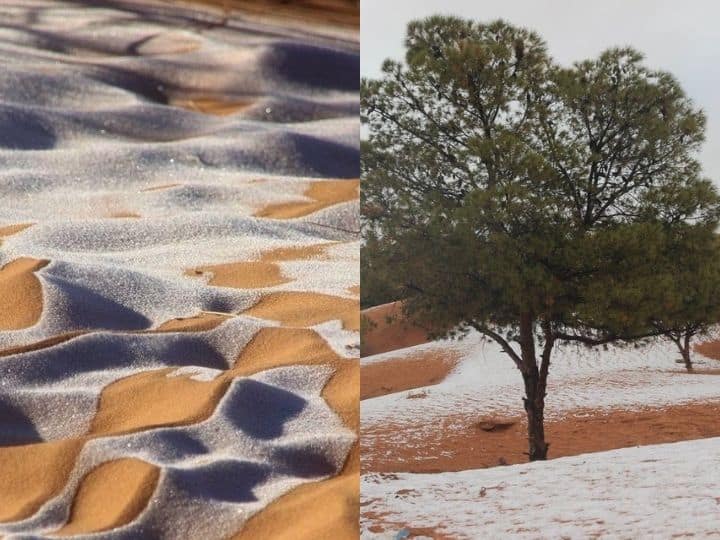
178, 273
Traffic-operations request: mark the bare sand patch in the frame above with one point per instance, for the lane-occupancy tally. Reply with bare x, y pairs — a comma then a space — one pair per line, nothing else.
152, 398
9, 230
413, 532
323, 194
275, 347
243, 275
387, 330
303, 309
461, 443
325, 510
425, 368
30, 474
297, 253
160, 187
21, 300
97, 508
202, 322
217, 106
261, 273
710, 349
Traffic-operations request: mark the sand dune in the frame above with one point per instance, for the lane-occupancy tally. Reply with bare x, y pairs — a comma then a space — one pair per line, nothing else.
197, 323
405, 373
387, 330
178, 361
463, 442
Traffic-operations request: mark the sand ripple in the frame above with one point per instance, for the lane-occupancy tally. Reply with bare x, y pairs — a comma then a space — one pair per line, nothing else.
178, 273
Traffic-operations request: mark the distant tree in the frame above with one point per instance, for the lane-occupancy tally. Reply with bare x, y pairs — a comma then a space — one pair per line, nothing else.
688, 301
530, 202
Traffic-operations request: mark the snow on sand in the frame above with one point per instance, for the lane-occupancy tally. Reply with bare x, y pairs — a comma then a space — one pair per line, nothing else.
655, 491
150, 154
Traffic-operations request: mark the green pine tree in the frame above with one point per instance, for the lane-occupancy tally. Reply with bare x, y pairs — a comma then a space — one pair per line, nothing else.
533, 203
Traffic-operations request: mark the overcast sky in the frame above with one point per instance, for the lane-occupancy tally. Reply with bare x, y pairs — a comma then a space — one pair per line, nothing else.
680, 36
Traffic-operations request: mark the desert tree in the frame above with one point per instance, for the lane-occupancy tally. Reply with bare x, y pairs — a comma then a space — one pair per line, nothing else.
688, 298
530, 202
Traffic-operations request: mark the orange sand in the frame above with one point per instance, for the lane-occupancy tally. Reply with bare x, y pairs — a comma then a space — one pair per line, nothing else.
710, 349
9, 230
244, 275
150, 399
324, 194
97, 508
397, 375
153, 399
158, 188
388, 331
21, 299
31, 474
199, 323
42, 344
262, 273
303, 309
215, 106
472, 443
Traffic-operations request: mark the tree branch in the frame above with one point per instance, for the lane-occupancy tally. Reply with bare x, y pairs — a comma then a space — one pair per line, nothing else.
501, 341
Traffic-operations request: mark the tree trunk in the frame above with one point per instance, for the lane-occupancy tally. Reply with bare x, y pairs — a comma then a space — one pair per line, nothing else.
685, 351
683, 345
535, 409
535, 381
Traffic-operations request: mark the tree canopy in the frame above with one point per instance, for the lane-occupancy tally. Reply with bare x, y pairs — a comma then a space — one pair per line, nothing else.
533, 202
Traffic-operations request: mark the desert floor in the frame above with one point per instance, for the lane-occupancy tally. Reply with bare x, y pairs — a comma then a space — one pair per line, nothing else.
443, 437
179, 250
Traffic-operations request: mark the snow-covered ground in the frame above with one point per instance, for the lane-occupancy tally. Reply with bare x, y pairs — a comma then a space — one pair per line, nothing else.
486, 382
659, 491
